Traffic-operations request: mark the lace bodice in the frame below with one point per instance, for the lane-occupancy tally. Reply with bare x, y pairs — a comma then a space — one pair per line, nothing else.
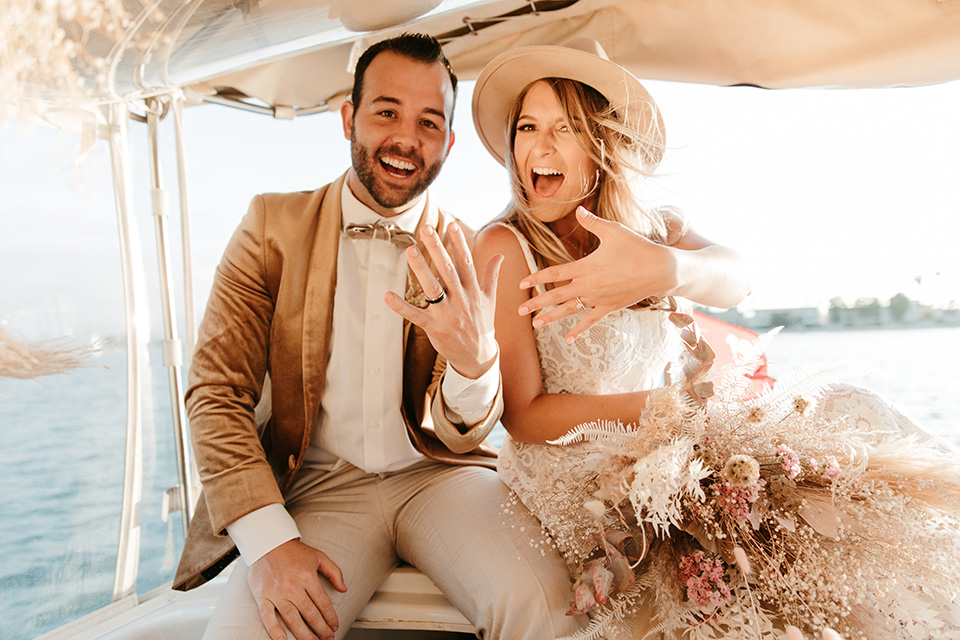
629, 350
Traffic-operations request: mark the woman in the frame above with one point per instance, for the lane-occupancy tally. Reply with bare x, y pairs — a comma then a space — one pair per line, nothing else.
575, 132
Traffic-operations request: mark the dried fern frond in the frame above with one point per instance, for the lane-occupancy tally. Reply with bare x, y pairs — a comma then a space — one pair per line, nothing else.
778, 400
610, 431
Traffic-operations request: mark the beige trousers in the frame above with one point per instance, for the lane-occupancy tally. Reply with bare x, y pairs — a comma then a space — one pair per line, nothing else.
448, 521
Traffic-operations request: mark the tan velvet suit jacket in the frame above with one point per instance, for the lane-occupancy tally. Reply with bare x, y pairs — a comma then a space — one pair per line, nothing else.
271, 310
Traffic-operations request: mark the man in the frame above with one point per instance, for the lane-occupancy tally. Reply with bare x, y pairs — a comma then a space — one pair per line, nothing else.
348, 476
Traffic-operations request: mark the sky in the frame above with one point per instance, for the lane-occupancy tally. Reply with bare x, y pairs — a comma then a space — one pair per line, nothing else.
828, 193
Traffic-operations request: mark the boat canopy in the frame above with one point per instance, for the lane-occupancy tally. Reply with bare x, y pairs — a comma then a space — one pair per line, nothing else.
289, 57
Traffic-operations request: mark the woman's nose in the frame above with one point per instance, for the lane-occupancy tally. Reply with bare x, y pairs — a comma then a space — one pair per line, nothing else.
545, 142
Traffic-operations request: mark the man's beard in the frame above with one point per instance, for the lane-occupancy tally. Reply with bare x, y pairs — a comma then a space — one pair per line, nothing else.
390, 197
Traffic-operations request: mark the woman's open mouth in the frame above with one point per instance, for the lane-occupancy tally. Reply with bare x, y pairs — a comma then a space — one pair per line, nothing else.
546, 181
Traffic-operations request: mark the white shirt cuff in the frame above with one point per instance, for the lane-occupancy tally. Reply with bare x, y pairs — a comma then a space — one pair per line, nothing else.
261, 531
468, 401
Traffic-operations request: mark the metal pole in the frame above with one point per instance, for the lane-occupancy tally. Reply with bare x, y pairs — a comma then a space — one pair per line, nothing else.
137, 327
189, 312
172, 350
190, 324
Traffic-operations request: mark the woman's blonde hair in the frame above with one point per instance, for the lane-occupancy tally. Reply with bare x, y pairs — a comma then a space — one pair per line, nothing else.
624, 151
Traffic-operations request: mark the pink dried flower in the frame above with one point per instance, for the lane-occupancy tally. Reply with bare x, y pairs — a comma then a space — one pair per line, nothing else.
790, 461
832, 470
737, 500
814, 465
704, 581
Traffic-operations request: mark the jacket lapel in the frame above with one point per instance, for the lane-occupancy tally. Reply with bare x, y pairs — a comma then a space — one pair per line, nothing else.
318, 304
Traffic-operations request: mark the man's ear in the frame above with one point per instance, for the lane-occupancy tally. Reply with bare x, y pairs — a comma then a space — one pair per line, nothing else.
453, 136
346, 114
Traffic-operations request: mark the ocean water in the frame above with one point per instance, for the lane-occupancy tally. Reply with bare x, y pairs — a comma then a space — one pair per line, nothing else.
62, 442
61, 463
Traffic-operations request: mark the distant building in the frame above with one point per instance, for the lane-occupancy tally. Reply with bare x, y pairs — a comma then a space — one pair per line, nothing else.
866, 313
794, 317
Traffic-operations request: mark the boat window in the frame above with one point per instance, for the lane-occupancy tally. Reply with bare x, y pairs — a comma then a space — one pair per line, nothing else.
62, 435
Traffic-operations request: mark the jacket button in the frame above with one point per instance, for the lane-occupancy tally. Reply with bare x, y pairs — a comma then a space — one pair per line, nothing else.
292, 462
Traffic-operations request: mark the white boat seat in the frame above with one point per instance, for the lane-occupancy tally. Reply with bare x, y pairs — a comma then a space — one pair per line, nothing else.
407, 601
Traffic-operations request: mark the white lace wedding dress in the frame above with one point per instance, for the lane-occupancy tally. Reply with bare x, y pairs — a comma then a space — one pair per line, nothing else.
630, 350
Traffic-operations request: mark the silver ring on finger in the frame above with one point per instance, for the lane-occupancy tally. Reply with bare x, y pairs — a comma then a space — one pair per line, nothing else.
580, 304
439, 298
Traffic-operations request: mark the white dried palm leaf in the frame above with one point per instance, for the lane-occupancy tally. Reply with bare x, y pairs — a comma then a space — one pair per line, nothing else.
614, 432
810, 381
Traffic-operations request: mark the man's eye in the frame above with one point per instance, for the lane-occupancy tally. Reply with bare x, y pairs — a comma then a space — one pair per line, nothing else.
430, 124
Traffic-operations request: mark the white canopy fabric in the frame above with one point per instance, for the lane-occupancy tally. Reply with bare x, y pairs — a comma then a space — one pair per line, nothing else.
298, 54
767, 43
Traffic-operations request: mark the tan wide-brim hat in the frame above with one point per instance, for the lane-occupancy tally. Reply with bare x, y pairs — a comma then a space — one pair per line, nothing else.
580, 59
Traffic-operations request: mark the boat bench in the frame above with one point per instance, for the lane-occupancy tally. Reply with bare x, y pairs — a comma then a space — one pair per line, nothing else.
406, 601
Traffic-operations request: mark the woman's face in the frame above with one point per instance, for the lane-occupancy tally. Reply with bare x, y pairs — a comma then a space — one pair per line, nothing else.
557, 175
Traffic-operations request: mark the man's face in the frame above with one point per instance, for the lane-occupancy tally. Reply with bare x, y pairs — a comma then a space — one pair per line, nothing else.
400, 132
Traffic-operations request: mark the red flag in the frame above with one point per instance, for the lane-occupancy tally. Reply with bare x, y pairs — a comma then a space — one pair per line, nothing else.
725, 339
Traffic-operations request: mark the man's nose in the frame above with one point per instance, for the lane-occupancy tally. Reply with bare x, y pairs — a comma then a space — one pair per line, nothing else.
405, 133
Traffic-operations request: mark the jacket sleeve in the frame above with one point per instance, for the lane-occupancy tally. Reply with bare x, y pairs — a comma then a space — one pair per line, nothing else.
457, 437
226, 378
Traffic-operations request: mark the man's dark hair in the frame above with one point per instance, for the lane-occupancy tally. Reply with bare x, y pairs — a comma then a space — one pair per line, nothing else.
416, 46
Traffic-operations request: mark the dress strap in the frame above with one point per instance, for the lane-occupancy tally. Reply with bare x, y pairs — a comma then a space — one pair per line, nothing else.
527, 253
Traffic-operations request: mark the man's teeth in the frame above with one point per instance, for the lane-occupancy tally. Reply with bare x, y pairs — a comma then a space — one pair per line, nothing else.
399, 164
542, 171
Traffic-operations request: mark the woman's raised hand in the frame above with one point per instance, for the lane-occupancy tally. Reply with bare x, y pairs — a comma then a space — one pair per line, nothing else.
625, 269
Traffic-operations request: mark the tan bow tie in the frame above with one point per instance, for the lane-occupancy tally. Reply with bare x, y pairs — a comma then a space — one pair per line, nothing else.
383, 231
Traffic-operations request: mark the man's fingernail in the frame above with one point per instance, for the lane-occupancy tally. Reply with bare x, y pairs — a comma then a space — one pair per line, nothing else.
523, 311
537, 323
414, 251
455, 227
427, 229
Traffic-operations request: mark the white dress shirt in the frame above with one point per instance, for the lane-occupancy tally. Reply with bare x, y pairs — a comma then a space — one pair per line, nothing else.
360, 420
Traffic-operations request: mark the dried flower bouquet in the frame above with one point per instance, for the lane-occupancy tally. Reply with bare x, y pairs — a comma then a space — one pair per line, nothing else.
716, 516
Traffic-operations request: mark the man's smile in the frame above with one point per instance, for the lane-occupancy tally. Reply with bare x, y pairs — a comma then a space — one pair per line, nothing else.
397, 167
